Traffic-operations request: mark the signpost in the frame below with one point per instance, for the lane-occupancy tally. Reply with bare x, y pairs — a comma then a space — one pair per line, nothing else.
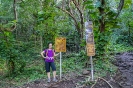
60, 46
90, 46
90, 49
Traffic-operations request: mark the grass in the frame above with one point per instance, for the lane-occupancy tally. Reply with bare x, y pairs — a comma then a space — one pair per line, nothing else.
34, 70
119, 48
106, 66
102, 68
122, 48
72, 62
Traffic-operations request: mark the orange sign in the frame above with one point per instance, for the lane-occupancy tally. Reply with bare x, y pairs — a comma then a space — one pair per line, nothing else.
90, 49
60, 44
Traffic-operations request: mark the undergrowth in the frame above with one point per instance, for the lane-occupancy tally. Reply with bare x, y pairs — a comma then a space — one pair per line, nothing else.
35, 70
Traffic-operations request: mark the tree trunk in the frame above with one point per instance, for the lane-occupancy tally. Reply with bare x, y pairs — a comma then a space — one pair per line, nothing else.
101, 19
78, 21
121, 4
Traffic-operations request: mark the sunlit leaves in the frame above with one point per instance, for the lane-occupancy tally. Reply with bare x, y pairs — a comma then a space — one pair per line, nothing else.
127, 3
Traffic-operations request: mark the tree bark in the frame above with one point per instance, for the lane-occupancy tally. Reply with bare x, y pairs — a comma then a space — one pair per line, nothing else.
101, 19
77, 5
11, 29
121, 4
15, 15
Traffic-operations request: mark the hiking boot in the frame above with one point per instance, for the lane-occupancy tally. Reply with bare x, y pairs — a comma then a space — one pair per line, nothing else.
55, 80
49, 80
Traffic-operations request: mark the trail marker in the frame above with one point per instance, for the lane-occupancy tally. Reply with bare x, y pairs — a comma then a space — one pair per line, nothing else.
60, 46
90, 46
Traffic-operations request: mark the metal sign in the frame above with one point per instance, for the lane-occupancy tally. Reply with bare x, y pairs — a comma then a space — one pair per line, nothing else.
60, 44
90, 49
89, 30
90, 38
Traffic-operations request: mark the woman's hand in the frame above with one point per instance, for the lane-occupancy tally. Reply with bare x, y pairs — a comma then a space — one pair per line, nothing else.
56, 54
46, 57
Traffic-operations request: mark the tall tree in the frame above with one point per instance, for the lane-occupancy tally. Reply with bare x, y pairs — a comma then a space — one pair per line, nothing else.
75, 9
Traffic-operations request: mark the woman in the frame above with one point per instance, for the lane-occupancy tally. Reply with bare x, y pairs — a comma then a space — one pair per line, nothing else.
49, 54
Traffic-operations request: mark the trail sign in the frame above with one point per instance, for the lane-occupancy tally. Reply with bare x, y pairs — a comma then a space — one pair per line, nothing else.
90, 46
90, 49
60, 44
90, 38
89, 29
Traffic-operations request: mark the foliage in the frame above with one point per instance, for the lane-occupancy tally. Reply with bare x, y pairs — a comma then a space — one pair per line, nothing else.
125, 32
39, 22
101, 43
11, 54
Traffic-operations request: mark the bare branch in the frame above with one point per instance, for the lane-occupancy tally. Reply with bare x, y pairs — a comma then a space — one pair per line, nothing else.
15, 16
76, 13
70, 14
80, 12
77, 6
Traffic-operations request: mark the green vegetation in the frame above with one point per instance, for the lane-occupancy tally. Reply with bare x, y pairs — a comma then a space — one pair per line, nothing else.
26, 27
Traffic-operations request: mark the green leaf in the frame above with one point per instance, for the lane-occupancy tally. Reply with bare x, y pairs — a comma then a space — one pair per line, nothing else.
90, 6
40, 12
131, 23
14, 21
6, 33
88, 2
98, 4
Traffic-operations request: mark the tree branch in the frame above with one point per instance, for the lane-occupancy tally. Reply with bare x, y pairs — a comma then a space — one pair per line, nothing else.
70, 14
76, 12
77, 6
81, 14
121, 4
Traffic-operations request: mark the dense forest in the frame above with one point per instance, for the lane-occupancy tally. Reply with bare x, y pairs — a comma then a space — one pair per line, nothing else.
27, 26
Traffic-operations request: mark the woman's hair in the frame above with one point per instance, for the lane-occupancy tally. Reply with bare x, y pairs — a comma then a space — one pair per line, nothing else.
50, 43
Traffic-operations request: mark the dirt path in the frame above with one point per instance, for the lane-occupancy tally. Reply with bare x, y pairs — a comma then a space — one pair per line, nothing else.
72, 81
125, 65
122, 79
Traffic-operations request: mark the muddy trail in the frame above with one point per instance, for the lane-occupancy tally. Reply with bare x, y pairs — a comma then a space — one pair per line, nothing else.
122, 79
124, 75
72, 80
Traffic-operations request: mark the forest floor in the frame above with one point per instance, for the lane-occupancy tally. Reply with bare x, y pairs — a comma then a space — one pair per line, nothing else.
122, 79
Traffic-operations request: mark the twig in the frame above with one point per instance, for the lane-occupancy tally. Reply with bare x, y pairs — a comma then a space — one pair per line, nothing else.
103, 80
94, 84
